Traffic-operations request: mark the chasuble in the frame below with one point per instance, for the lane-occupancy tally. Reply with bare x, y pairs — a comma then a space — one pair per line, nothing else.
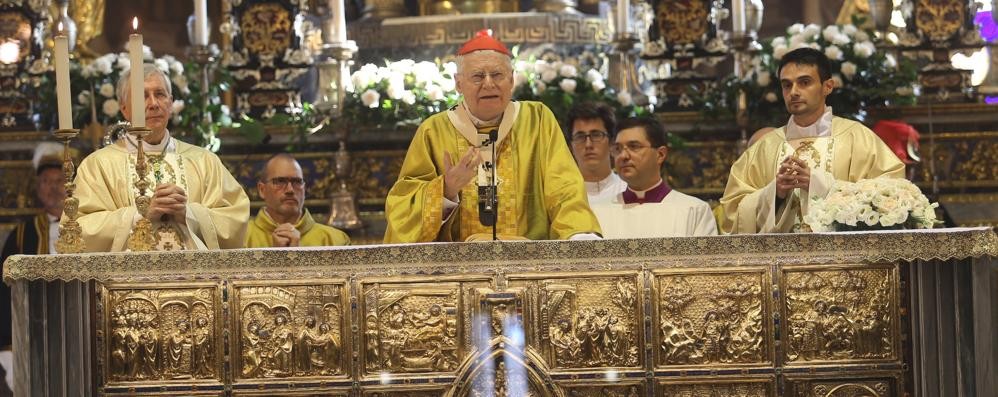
313, 234
850, 153
217, 206
541, 192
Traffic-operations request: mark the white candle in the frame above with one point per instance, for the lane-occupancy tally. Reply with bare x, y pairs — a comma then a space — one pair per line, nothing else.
201, 34
623, 16
738, 17
339, 21
136, 82
62, 80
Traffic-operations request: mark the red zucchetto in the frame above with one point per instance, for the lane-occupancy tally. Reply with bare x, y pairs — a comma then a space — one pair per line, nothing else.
483, 40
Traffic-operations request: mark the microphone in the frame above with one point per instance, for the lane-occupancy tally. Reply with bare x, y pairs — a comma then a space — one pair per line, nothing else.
488, 197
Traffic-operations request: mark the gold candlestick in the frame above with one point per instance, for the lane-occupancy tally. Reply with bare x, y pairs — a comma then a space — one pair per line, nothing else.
142, 237
70, 233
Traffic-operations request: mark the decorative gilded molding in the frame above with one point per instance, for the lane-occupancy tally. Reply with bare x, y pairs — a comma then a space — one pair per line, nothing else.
510, 257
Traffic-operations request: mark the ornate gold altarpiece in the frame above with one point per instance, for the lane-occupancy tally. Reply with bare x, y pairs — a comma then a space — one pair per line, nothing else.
844, 314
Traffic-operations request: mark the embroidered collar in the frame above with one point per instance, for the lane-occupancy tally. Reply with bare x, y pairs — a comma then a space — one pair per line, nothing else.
820, 128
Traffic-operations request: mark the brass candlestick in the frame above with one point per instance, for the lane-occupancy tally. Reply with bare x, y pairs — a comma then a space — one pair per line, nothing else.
70, 233
142, 238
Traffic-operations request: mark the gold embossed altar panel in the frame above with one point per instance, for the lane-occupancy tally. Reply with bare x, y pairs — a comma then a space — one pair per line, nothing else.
716, 317
604, 389
161, 334
711, 387
403, 391
844, 314
848, 385
587, 320
418, 326
289, 330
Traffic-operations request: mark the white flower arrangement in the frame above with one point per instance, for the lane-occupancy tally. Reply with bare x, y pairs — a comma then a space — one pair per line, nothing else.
869, 204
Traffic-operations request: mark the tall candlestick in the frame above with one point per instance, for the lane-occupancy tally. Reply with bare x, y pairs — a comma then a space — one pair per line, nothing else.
339, 21
136, 82
201, 34
623, 16
738, 17
62, 81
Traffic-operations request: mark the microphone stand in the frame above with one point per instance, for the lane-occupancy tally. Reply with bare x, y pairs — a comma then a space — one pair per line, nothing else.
488, 197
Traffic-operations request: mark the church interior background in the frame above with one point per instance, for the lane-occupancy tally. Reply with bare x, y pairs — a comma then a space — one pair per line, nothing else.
344, 91
264, 59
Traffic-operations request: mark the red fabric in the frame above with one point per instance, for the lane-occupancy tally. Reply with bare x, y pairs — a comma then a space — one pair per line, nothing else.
897, 135
483, 40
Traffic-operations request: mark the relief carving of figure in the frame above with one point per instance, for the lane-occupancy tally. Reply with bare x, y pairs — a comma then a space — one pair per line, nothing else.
283, 346
253, 351
371, 334
326, 351
132, 347
678, 343
119, 349
567, 345
431, 327
307, 337
201, 352
149, 340
715, 338
176, 344
395, 336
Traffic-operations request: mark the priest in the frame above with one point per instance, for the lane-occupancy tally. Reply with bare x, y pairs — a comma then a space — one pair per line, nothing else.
770, 185
648, 207
540, 190
195, 202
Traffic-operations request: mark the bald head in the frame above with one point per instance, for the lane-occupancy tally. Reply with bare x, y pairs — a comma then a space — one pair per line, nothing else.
282, 188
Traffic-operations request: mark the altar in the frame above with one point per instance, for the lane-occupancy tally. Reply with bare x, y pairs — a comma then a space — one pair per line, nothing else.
846, 314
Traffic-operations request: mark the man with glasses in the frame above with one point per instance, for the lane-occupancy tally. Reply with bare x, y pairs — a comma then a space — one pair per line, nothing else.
591, 127
194, 202
649, 207
283, 221
540, 191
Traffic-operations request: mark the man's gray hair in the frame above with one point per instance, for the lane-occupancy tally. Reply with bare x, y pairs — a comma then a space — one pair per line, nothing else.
459, 60
148, 69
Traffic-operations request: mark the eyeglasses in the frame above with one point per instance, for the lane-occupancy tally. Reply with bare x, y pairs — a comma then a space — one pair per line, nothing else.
631, 148
478, 78
579, 138
280, 182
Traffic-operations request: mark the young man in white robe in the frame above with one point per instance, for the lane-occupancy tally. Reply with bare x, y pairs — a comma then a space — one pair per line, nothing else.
649, 207
591, 127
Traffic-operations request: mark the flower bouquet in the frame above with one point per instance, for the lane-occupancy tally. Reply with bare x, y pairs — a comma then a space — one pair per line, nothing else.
872, 204
400, 93
863, 76
561, 85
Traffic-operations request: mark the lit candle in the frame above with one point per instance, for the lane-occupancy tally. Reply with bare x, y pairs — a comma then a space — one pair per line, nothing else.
339, 21
738, 17
201, 34
623, 16
136, 82
62, 80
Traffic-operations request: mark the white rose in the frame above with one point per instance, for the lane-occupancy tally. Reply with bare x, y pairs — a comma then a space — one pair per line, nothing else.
110, 107
371, 99
162, 66
450, 68
815, 46
779, 52
862, 36
176, 67
849, 29
181, 82
404, 66
848, 70
568, 85
568, 71
362, 78
763, 79
795, 29
830, 32
434, 93
105, 67
594, 75
812, 31
549, 75
409, 97
84, 97
599, 85
107, 90
771, 97
447, 85
837, 80
624, 98
178, 106
834, 53
779, 41
797, 41
840, 40
396, 87
864, 49
425, 71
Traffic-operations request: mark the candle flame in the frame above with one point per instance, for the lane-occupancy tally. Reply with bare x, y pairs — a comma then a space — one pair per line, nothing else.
60, 27
135, 23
